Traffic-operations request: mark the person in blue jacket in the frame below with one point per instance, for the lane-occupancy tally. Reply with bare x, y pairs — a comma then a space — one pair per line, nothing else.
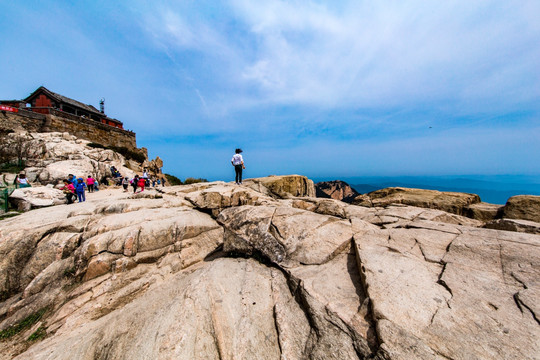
79, 189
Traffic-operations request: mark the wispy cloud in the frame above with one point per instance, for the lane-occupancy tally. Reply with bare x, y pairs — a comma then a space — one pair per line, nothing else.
370, 54
329, 84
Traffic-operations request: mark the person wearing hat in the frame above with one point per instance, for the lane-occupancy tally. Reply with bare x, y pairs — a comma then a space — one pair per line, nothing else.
238, 162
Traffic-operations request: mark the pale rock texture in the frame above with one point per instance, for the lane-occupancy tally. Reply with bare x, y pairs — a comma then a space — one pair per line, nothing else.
525, 226
284, 186
28, 198
54, 155
452, 202
221, 271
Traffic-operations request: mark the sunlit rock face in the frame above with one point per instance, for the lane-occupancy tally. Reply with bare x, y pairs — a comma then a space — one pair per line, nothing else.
263, 271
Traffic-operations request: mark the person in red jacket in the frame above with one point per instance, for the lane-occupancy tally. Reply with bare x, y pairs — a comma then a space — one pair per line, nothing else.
69, 191
142, 182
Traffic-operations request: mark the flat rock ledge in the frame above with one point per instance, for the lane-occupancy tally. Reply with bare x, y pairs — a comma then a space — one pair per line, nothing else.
263, 271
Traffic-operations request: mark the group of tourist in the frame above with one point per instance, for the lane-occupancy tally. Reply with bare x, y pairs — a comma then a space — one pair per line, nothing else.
75, 188
140, 182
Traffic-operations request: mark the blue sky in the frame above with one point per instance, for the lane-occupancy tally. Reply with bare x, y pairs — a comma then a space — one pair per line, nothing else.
320, 88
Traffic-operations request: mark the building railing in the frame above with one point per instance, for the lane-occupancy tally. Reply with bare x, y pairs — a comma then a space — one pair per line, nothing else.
4, 198
56, 112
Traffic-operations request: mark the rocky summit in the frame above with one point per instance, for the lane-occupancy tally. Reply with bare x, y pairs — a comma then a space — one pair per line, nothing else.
263, 271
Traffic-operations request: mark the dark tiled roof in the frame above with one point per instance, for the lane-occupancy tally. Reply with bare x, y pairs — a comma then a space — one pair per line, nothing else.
64, 99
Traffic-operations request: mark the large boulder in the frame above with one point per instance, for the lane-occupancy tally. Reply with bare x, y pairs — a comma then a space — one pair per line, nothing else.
452, 292
524, 207
484, 211
516, 225
452, 202
25, 199
282, 187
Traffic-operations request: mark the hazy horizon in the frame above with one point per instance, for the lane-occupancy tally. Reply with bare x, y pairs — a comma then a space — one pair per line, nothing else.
314, 87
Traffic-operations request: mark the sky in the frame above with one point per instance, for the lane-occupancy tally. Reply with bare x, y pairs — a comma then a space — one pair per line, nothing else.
326, 89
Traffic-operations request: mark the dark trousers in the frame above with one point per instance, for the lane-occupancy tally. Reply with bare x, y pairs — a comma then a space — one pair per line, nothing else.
90, 187
238, 171
69, 197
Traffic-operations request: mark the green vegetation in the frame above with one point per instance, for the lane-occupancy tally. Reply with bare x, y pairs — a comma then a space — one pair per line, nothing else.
194, 181
6, 216
23, 325
173, 180
127, 153
13, 168
39, 334
95, 145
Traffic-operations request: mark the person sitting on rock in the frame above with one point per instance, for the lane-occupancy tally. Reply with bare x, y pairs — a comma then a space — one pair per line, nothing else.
90, 181
69, 191
79, 189
22, 181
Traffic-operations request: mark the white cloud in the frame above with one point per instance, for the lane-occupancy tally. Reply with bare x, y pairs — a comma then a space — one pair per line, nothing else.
363, 54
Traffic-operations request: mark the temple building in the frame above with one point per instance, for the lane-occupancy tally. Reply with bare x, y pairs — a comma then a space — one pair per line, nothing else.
44, 101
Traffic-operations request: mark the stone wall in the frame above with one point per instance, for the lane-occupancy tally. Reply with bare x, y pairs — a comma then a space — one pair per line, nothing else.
83, 128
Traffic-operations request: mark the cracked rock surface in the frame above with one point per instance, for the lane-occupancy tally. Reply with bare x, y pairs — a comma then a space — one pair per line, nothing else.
264, 271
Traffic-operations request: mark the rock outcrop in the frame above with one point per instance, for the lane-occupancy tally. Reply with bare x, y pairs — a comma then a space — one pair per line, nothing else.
282, 186
52, 156
524, 207
337, 189
220, 271
484, 211
25, 199
453, 202
517, 225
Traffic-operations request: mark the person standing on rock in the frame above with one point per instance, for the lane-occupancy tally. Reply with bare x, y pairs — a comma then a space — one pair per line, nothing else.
125, 183
135, 183
142, 183
90, 183
72, 179
238, 162
79, 189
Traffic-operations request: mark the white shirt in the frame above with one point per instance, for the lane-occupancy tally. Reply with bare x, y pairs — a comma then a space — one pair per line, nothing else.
237, 159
